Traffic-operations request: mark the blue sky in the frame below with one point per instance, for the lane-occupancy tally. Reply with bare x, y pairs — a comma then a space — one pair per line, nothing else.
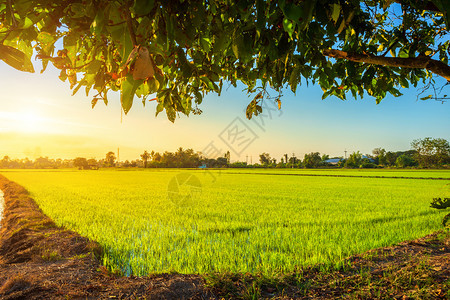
38, 116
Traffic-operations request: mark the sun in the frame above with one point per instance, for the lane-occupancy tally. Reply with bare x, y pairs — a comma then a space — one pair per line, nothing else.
29, 121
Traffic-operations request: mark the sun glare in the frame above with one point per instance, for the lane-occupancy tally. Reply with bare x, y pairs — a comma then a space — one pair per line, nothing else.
29, 121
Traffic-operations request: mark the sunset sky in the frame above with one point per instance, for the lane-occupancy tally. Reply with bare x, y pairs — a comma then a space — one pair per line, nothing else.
39, 117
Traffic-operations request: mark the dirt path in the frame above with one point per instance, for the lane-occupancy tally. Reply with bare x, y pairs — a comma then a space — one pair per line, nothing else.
2, 203
39, 260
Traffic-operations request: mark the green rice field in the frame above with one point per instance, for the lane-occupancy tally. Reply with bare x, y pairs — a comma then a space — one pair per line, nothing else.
268, 221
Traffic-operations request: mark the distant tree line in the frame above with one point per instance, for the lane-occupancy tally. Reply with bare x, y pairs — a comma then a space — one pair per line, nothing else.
180, 159
38, 163
425, 153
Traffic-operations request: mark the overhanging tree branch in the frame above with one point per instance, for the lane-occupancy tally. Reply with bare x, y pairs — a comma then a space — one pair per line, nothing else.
195, 49
427, 63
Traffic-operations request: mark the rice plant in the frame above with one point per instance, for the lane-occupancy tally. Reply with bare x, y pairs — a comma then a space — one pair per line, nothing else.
234, 221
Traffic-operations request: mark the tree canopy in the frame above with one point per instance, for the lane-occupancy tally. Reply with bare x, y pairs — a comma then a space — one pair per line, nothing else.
183, 49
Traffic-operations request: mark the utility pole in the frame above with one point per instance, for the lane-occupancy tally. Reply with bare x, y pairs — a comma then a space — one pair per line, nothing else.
118, 155
293, 160
251, 160
345, 153
246, 159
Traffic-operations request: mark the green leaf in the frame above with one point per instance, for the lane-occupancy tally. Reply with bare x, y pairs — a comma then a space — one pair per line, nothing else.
159, 108
242, 47
16, 59
260, 14
403, 53
75, 90
78, 10
289, 26
127, 46
403, 82
89, 79
27, 23
294, 78
160, 80
94, 102
427, 97
46, 39
335, 12
235, 47
221, 42
394, 92
341, 26
70, 42
118, 32
208, 82
21, 6
254, 108
145, 26
206, 44
63, 75
143, 7
326, 94
129, 87
291, 10
98, 24
302, 14
154, 49
170, 27
153, 85
94, 67
171, 114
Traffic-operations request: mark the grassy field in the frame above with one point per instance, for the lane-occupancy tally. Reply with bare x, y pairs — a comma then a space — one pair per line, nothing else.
231, 221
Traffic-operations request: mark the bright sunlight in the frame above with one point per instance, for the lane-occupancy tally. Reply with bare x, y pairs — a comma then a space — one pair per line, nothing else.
29, 120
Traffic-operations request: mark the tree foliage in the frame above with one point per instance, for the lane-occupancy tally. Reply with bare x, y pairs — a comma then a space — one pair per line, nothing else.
404, 161
354, 160
110, 159
432, 151
265, 158
182, 158
181, 50
312, 160
145, 157
442, 203
81, 163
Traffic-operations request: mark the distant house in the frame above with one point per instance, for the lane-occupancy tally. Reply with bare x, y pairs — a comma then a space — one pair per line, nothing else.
370, 159
332, 161
335, 161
